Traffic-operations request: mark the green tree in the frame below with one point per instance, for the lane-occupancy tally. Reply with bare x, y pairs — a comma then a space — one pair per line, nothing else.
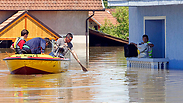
106, 5
120, 30
108, 28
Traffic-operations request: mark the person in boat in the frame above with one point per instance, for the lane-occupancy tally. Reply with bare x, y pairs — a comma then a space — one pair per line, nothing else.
61, 46
19, 42
145, 47
36, 45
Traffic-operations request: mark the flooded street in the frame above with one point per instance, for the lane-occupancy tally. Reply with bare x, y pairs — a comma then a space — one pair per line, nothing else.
107, 81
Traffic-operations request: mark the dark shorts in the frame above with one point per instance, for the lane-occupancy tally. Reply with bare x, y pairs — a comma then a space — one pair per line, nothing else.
26, 50
18, 51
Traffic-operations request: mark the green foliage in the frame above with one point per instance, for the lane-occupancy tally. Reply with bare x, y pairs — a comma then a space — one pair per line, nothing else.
92, 28
122, 29
106, 6
105, 3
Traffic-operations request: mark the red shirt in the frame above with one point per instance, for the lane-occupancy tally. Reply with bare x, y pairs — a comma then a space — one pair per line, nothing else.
20, 44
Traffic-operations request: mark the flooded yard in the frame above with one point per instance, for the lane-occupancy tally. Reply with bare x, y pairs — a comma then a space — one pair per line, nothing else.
107, 81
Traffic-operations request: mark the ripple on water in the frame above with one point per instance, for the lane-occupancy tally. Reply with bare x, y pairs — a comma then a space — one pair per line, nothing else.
108, 80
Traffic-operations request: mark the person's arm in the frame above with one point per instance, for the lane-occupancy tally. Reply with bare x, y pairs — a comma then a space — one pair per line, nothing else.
62, 46
12, 47
43, 45
151, 45
134, 44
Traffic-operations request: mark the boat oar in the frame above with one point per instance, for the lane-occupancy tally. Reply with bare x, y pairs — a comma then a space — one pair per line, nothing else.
83, 68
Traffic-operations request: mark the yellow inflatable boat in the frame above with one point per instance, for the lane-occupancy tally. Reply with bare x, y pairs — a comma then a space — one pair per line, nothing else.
36, 64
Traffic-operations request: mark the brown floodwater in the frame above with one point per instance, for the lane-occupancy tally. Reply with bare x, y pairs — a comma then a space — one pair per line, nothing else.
107, 81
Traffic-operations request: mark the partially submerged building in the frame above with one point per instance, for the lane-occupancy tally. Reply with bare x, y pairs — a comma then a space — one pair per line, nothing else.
162, 21
97, 38
48, 18
56, 16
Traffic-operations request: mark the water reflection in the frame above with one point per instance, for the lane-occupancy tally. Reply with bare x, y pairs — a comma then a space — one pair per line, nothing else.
108, 80
30, 88
146, 85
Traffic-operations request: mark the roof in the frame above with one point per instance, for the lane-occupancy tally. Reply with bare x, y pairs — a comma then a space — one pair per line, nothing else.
143, 2
111, 10
51, 5
100, 16
98, 33
11, 19
17, 17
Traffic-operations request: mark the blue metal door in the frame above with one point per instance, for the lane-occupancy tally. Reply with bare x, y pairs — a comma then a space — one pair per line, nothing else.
155, 29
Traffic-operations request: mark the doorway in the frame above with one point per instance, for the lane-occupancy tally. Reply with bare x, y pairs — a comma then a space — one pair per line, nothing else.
155, 29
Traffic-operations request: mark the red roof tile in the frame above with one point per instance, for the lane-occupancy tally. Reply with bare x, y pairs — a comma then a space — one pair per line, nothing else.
111, 10
100, 16
51, 5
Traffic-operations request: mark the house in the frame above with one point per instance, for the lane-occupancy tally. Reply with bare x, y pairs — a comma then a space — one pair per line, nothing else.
98, 38
100, 17
57, 16
53, 17
102, 39
11, 27
162, 21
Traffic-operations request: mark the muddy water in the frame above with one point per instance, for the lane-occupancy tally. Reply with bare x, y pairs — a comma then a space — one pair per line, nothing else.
108, 80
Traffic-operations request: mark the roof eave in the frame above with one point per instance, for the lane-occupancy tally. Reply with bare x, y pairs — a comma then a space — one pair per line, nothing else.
143, 3
96, 21
53, 10
12, 21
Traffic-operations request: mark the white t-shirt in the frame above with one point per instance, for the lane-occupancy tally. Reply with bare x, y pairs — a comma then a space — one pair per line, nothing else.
61, 42
143, 49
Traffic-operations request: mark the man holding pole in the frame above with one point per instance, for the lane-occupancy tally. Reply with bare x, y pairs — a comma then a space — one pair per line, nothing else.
62, 46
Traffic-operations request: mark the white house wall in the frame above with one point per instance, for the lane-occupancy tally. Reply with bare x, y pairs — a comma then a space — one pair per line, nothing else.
174, 29
63, 21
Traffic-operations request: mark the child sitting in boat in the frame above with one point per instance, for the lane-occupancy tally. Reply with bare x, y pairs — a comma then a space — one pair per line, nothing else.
36, 45
19, 42
145, 47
